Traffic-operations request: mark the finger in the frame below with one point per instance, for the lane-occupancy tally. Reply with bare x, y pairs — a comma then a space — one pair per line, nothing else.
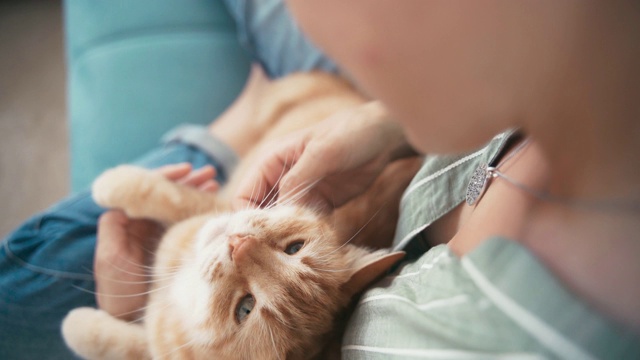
198, 177
111, 230
241, 203
313, 165
209, 186
175, 171
144, 234
262, 187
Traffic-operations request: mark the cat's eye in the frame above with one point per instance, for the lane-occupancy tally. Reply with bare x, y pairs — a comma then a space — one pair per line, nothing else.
245, 306
294, 247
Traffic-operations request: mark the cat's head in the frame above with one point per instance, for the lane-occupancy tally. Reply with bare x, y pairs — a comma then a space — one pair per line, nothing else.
269, 283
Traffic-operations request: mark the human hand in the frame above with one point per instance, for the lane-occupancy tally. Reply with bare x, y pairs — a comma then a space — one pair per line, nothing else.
329, 164
125, 247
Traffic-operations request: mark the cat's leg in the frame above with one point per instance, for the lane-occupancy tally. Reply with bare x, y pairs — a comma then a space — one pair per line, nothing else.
94, 334
143, 193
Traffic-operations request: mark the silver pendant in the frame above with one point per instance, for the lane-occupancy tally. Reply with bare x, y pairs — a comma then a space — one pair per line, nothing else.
478, 183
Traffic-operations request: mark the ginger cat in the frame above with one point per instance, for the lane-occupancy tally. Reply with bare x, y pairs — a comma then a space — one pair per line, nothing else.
271, 283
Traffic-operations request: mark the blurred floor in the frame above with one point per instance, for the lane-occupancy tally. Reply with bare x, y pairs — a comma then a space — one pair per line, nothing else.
34, 161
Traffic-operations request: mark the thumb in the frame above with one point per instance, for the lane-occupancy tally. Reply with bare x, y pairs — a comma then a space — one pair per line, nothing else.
263, 184
299, 184
112, 230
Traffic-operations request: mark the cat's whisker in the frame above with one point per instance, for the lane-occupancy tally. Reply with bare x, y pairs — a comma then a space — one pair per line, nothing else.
146, 314
119, 269
188, 343
264, 198
166, 270
327, 260
119, 295
144, 273
274, 202
357, 232
275, 197
334, 271
281, 320
299, 191
149, 251
154, 278
305, 188
251, 198
271, 195
165, 273
153, 281
138, 319
273, 342
155, 238
139, 265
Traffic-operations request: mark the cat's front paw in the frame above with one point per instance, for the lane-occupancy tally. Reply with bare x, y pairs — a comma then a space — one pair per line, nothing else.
81, 327
94, 334
123, 187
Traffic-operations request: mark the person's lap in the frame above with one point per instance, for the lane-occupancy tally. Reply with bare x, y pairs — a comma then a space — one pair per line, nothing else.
46, 266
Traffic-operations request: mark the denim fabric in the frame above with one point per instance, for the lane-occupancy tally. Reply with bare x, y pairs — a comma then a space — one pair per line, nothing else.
273, 39
46, 267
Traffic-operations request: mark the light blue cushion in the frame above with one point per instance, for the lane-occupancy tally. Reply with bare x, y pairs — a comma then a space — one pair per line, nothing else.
138, 68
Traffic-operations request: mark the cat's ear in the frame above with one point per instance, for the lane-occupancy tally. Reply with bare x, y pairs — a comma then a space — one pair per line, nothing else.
369, 269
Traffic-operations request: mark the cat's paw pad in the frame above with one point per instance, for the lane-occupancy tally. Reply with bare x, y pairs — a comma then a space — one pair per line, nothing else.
123, 186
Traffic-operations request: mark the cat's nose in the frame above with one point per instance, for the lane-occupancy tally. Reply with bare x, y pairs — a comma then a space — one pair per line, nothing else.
239, 246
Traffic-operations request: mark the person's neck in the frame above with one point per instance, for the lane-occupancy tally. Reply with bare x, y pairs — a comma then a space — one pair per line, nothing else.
594, 164
591, 150
590, 133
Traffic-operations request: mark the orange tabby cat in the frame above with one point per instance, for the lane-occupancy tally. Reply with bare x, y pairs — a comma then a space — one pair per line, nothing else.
255, 284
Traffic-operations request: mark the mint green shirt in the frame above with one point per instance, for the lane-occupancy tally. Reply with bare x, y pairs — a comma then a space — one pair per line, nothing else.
497, 302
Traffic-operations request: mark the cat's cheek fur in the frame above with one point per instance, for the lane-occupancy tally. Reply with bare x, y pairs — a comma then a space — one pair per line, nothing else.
191, 296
